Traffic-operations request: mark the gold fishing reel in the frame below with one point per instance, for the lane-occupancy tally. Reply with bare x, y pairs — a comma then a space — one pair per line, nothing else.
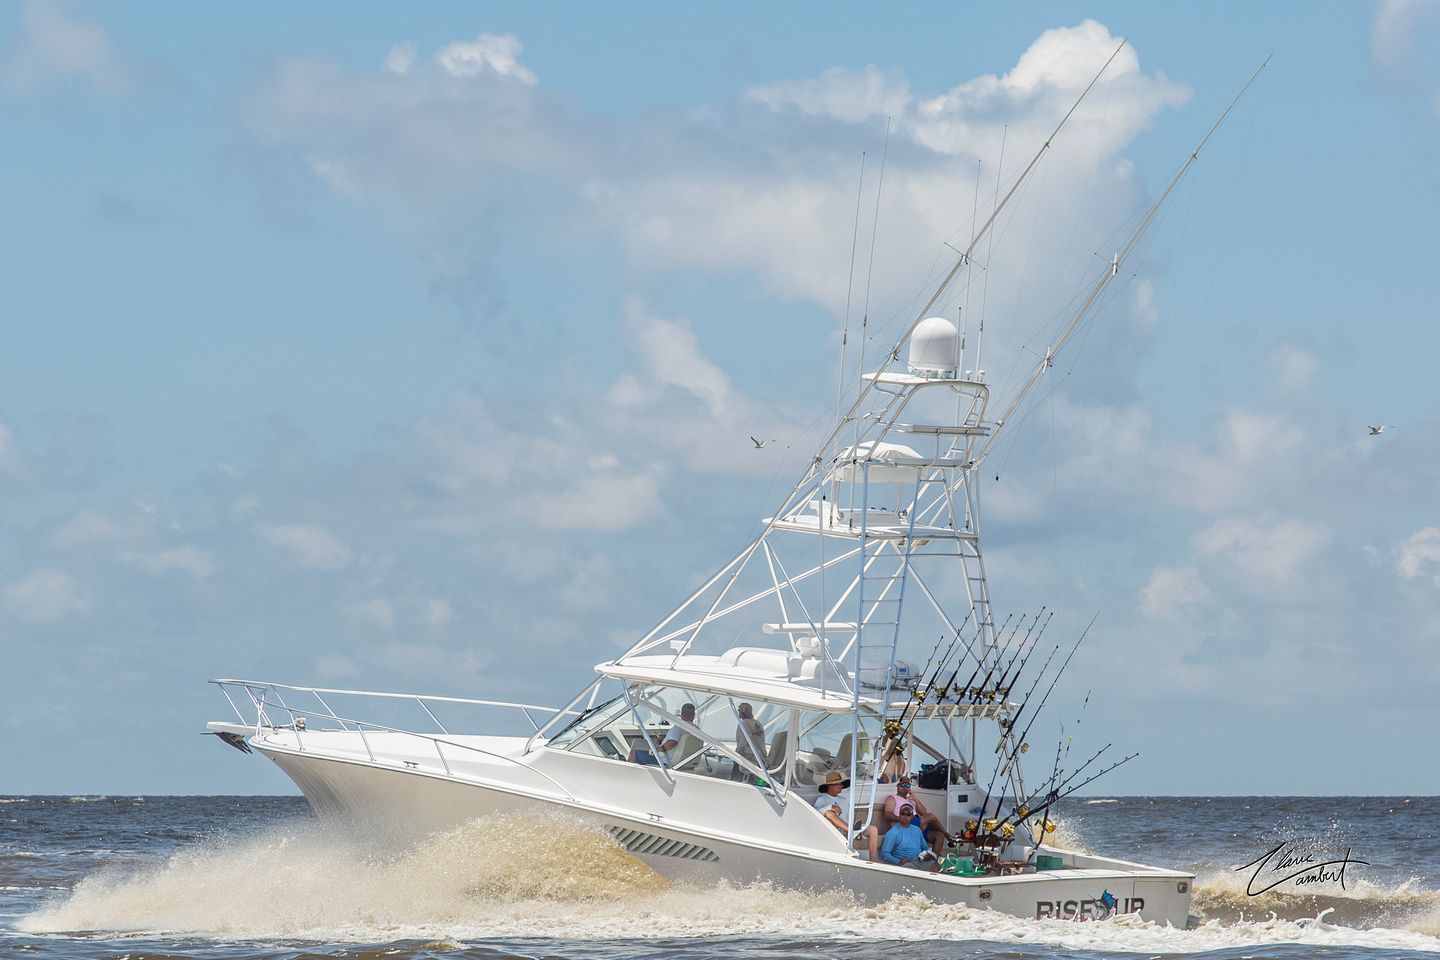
892, 728
1007, 830
990, 824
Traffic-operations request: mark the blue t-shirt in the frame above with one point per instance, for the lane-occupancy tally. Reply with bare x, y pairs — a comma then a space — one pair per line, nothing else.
903, 842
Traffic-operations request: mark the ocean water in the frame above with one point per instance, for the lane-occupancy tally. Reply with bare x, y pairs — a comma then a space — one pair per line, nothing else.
259, 877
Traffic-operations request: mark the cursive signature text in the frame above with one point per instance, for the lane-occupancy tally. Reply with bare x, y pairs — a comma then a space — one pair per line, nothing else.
1298, 865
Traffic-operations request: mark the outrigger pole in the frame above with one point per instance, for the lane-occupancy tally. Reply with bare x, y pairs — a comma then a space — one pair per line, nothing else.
1047, 361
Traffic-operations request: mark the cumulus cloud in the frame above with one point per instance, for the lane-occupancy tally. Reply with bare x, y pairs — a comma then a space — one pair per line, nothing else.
1170, 590
311, 545
850, 96
767, 191
46, 596
489, 53
52, 45
1253, 453
1419, 555
1268, 552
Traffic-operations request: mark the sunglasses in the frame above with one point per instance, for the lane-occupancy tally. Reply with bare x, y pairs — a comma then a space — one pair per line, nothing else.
902, 786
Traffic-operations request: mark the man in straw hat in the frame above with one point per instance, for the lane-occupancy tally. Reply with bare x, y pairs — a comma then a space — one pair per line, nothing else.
832, 803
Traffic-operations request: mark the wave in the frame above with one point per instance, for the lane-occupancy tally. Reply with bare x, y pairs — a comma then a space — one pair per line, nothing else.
1091, 803
1361, 903
553, 879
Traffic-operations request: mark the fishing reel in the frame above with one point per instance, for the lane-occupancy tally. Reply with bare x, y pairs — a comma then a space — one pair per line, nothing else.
892, 728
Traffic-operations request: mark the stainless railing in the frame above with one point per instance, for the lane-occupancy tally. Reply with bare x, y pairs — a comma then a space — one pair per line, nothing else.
264, 694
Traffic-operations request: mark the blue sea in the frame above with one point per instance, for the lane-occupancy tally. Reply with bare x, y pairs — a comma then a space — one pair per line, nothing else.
229, 878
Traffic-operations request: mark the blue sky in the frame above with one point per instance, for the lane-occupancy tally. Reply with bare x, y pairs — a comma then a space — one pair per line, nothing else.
418, 348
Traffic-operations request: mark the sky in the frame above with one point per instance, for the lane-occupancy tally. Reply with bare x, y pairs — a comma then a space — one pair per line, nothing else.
418, 348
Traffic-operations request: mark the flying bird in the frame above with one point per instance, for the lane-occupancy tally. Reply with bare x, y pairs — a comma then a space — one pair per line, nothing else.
1376, 430
760, 443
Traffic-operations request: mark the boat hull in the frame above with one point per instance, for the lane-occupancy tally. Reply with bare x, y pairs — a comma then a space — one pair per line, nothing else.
422, 802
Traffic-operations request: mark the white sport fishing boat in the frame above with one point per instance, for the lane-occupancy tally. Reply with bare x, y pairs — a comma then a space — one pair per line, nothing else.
703, 750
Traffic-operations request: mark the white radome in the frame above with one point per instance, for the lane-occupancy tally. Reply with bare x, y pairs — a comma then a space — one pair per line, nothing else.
935, 348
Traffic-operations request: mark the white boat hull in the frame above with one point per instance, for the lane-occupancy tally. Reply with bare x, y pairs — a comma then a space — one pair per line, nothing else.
422, 801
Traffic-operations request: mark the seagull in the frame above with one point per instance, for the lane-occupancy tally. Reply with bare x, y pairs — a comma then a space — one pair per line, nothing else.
1375, 431
760, 443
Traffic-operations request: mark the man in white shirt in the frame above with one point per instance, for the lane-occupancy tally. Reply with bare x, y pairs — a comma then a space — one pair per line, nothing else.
832, 803
671, 740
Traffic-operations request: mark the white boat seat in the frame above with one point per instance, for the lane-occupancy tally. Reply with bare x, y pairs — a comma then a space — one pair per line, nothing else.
775, 759
688, 746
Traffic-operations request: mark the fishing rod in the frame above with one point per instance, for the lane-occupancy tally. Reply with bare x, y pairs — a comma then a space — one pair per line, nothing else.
950, 689
1005, 764
1056, 787
1051, 689
969, 690
984, 684
1057, 796
1008, 724
918, 699
1007, 681
1016, 656
896, 730
1025, 809
919, 696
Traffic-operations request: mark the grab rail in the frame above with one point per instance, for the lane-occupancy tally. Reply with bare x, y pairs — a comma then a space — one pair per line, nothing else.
420, 698
256, 689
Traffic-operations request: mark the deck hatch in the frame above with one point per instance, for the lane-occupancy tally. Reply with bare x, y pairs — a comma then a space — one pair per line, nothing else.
636, 841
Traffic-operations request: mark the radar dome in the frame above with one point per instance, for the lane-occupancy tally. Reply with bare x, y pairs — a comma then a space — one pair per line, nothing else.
935, 348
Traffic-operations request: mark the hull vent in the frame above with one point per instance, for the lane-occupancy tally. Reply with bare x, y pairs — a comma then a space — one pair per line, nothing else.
637, 842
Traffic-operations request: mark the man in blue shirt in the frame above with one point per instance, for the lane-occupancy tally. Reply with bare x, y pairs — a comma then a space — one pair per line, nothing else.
904, 841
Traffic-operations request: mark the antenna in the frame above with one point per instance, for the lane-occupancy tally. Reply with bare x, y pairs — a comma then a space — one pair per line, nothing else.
850, 286
870, 270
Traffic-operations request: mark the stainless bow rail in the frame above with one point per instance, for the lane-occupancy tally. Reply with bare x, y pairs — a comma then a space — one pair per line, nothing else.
259, 693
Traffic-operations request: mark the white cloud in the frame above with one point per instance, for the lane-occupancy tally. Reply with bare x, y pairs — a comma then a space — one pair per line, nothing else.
1267, 552
438, 613
401, 58
7, 448
1419, 554
1294, 369
489, 53
313, 546
46, 596
85, 528
1254, 453
189, 560
1170, 590
606, 501
53, 45
1392, 31
850, 96
745, 191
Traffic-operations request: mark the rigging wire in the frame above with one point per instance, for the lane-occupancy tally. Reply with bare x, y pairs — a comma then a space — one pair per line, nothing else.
850, 284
